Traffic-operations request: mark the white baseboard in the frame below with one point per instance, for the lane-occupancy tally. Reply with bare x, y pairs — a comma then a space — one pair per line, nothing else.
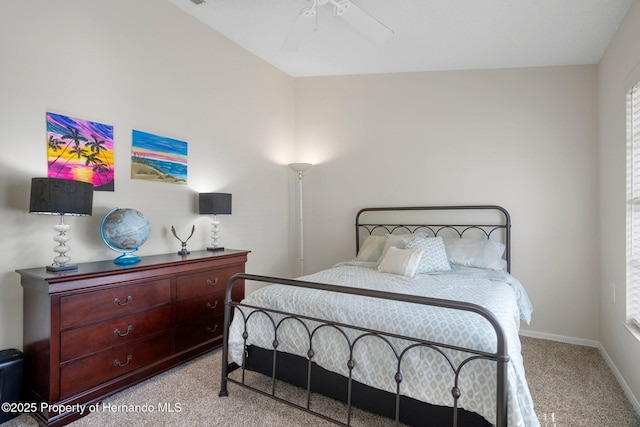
621, 381
560, 338
603, 353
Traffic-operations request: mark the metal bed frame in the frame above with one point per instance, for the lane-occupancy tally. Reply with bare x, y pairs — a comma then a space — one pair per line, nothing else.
280, 318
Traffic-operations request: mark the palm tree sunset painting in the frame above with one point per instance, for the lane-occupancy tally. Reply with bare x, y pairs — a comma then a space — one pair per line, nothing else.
157, 158
80, 150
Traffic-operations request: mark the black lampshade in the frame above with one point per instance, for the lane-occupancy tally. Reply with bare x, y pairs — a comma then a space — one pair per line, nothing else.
56, 196
214, 203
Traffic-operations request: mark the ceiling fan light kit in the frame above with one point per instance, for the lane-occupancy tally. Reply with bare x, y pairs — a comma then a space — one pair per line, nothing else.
358, 18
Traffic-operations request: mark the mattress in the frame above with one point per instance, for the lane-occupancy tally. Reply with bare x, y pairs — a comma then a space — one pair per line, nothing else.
427, 375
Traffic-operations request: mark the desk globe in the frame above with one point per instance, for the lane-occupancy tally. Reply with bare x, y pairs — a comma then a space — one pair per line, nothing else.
124, 231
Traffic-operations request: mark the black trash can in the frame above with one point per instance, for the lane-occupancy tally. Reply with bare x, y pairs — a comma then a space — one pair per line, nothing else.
10, 381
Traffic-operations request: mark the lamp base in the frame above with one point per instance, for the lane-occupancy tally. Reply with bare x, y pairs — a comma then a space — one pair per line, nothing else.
215, 248
61, 267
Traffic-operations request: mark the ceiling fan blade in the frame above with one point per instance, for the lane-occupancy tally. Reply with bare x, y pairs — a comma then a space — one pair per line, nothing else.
301, 28
363, 21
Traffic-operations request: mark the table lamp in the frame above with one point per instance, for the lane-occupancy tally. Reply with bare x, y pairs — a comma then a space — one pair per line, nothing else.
214, 204
54, 196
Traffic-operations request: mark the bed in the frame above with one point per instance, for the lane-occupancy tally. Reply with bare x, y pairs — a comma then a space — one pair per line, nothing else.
421, 326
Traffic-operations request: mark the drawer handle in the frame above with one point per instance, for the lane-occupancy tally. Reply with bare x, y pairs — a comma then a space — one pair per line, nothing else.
215, 304
117, 362
210, 329
120, 334
117, 301
212, 283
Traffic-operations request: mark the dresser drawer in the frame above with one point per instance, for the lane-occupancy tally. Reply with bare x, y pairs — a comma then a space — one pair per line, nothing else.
201, 307
123, 300
190, 335
114, 332
205, 306
192, 285
86, 373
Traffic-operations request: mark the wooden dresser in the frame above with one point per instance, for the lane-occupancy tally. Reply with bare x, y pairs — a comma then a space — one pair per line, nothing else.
95, 331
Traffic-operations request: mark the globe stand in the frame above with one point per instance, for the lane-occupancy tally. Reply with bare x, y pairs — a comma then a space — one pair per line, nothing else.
127, 258
184, 250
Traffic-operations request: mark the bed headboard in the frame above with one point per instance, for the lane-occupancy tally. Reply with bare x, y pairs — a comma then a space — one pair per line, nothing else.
482, 221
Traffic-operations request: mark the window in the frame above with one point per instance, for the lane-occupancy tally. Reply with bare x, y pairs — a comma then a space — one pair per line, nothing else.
633, 205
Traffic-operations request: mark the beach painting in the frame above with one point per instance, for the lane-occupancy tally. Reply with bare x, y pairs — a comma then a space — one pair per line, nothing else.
157, 158
80, 150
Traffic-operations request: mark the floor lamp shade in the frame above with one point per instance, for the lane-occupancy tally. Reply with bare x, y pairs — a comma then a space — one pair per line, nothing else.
214, 204
54, 196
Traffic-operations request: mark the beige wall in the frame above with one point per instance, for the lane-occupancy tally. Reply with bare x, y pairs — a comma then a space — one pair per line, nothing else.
522, 138
142, 65
619, 69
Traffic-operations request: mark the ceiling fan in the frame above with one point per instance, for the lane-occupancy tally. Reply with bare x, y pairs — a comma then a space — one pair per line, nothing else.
306, 23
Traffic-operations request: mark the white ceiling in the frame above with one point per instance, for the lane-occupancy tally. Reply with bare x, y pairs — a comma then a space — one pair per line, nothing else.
429, 34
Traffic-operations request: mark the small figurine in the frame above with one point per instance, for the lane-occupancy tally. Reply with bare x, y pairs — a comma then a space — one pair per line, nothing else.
184, 250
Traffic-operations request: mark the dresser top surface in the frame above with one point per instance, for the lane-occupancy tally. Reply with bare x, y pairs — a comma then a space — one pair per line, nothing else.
145, 263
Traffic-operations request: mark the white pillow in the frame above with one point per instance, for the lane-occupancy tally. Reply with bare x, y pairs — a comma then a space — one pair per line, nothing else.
434, 257
398, 240
371, 249
394, 241
400, 261
480, 253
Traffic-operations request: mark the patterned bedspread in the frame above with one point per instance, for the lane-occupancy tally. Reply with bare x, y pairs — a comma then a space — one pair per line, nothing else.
427, 376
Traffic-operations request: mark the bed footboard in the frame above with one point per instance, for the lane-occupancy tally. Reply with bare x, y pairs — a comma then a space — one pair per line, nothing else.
500, 357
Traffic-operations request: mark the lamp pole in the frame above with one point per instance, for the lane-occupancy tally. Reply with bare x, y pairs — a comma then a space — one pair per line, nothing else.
300, 168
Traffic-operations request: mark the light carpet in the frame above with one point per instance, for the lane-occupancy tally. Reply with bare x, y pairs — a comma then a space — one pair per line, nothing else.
571, 386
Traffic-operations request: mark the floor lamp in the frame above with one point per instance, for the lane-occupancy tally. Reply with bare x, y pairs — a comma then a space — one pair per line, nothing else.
300, 168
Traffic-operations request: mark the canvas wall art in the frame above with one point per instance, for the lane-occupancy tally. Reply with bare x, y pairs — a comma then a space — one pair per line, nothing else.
157, 158
80, 150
